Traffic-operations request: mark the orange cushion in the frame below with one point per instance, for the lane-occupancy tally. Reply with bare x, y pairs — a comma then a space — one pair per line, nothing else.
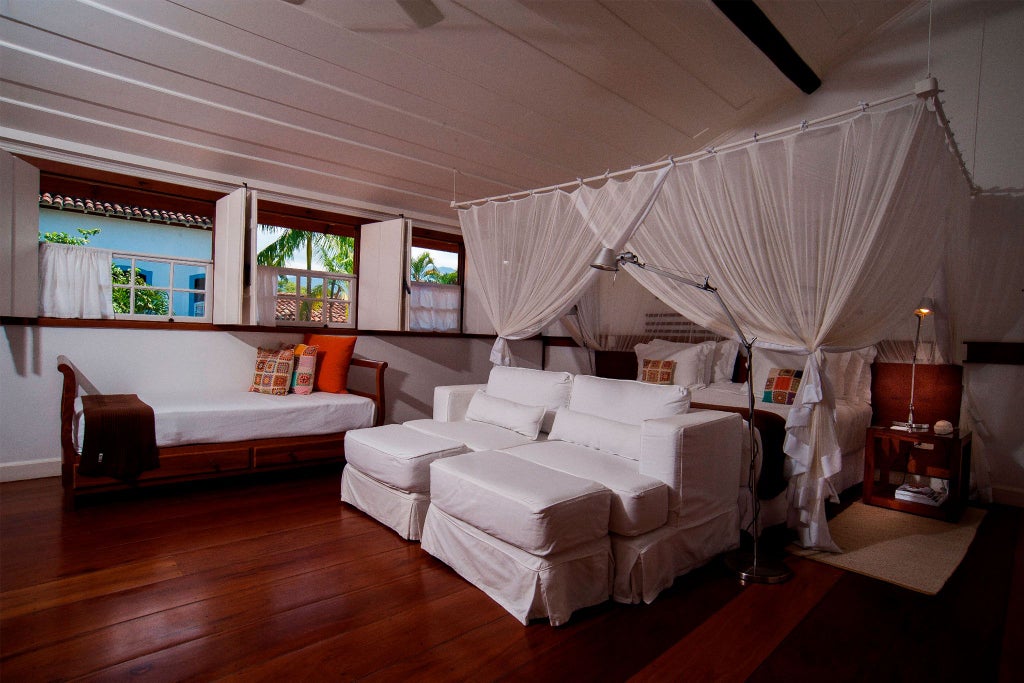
332, 360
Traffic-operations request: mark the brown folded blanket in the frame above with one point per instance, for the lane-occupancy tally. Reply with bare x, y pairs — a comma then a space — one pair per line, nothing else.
120, 437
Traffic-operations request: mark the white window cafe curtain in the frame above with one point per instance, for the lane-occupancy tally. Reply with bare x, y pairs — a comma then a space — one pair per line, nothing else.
434, 307
823, 239
75, 281
266, 295
532, 255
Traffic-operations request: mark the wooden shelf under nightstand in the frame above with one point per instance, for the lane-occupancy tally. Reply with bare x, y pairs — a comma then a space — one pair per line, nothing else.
888, 451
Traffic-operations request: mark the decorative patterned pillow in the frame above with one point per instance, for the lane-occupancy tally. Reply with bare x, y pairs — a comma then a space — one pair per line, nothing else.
657, 371
305, 369
273, 371
782, 385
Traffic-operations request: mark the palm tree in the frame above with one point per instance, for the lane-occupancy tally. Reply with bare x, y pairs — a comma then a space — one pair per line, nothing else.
423, 268
334, 251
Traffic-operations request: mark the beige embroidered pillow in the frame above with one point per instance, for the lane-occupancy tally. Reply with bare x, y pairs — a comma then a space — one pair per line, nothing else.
657, 371
273, 373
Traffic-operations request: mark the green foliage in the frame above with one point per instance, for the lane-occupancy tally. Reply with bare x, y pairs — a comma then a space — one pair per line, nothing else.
64, 238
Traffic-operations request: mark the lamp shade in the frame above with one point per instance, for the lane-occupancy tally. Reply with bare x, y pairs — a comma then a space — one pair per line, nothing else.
606, 259
926, 307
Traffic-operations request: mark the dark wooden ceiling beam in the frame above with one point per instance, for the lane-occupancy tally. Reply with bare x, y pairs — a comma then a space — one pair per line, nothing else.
758, 28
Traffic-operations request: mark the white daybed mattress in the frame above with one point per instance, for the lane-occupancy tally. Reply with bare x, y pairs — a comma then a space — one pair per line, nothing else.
240, 415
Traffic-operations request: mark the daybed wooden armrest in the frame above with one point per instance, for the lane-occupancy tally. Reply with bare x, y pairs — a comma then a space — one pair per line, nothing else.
379, 366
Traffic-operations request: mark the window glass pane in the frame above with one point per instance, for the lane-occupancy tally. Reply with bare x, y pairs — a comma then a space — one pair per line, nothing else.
150, 301
434, 265
286, 284
154, 273
187, 276
337, 311
189, 304
309, 310
311, 286
338, 289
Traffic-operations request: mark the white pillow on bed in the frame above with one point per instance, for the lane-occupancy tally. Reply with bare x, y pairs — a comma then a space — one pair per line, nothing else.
518, 417
724, 363
849, 372
694, 362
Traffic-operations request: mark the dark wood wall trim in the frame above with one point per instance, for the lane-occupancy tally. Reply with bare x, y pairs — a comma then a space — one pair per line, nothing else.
998, 353
210, 327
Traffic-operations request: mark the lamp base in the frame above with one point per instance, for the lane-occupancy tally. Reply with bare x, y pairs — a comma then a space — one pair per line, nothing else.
751, 569
910, 426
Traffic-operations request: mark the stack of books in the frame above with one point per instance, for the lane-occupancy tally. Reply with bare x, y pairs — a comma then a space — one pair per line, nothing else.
921, 494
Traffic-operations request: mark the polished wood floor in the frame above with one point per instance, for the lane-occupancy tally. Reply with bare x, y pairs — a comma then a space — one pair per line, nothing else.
276, 580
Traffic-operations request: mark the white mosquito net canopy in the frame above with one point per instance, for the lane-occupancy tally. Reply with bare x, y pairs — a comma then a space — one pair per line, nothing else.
807, 236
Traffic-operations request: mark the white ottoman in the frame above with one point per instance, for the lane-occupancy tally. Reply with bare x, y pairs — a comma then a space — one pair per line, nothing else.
534, 539
387, 474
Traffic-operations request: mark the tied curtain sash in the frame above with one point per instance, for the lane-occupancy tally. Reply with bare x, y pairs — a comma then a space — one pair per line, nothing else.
120, 437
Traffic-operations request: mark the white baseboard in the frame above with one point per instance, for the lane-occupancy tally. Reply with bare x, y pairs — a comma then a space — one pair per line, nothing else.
30, 469
1007, 495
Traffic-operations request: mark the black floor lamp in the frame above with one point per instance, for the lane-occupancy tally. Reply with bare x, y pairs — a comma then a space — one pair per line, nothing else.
748, 566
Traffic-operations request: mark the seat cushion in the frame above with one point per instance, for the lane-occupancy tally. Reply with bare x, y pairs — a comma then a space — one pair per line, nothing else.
398, 456
534, 508
639, 503
478, 436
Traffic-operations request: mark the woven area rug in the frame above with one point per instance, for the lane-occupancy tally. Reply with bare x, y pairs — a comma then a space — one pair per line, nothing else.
911, 551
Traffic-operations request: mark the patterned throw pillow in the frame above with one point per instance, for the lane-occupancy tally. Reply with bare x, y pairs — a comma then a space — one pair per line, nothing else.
305, 369
782, 385
273, 371
657, 371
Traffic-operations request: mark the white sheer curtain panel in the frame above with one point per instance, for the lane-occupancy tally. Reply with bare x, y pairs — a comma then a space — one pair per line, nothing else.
532, 255
616, 313
819, 240
266, 295
74, 281
434, 307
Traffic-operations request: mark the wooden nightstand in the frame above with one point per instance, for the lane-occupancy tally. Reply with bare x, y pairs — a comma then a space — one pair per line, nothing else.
890, 452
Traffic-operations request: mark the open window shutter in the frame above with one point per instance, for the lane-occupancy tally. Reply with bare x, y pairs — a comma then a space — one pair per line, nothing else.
383, 301
250, 292
19, 237
229, 258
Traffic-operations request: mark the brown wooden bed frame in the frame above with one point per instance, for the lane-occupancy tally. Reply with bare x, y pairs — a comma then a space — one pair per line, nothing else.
208, 460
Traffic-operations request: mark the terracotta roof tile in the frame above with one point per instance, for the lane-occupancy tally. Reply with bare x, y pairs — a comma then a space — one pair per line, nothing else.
56, 201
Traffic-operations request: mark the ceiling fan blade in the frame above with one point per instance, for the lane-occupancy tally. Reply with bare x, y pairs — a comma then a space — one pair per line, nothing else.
423, 13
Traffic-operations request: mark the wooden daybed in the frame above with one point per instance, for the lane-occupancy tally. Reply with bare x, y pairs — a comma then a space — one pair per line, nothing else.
207, 460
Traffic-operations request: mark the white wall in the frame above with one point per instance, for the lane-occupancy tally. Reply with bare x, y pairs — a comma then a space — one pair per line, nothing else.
132, 360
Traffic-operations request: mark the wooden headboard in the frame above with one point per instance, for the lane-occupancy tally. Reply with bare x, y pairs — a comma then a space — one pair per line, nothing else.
937, 393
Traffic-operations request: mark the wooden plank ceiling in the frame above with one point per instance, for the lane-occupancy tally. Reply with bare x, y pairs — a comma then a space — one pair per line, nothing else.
349, 98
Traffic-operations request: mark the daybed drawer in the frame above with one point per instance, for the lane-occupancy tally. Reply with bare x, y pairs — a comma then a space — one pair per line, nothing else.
291, 454
175, 463
178, 462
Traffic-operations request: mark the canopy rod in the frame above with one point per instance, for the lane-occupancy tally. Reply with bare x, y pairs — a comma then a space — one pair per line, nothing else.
803, 125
